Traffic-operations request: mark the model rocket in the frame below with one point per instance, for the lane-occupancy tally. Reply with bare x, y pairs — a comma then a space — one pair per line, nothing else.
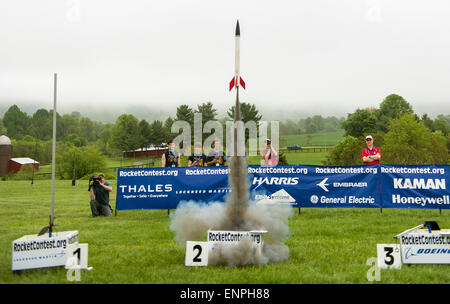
237, 80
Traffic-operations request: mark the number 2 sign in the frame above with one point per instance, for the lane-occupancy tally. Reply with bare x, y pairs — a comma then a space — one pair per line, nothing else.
196, 253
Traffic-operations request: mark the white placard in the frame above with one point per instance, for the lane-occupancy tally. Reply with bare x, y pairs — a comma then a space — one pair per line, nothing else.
196, 253
32, 251
424, 247
77, 256
389, 256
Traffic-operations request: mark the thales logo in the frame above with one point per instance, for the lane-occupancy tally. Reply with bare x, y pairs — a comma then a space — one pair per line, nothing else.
286, 181
419, 183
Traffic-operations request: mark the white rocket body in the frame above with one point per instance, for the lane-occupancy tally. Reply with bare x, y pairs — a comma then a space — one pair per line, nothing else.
237, 80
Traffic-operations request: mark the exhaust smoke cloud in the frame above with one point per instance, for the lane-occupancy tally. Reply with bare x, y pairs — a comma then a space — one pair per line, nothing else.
191, 221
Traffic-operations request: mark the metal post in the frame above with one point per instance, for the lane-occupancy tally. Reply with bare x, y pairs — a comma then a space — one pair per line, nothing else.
74, 164
52, 216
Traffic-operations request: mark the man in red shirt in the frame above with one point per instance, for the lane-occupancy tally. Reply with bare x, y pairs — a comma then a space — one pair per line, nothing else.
371, 155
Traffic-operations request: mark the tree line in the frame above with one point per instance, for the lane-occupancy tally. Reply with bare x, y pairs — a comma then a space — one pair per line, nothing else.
80, 139
309, 125
403, 136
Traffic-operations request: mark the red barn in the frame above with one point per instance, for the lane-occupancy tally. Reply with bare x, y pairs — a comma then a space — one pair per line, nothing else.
151, 151
15, 164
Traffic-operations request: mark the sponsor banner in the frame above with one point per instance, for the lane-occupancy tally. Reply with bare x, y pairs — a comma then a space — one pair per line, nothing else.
423, 187
426, 248
303, 186
31, 251
164, 188
339, 187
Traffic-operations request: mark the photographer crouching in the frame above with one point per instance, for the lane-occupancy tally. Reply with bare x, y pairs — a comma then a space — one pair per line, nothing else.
99, 191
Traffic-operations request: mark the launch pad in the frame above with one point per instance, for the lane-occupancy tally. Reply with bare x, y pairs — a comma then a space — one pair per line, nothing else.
199, 253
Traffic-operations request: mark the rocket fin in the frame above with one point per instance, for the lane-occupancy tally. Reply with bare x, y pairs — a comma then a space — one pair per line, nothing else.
241, 81
232, 83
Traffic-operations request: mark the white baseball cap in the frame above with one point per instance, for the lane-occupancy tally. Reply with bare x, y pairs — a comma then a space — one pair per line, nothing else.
369, 136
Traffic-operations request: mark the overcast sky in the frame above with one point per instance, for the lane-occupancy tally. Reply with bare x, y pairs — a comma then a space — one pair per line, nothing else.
325, 57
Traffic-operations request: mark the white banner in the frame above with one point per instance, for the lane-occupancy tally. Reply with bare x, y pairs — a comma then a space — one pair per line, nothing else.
422, 247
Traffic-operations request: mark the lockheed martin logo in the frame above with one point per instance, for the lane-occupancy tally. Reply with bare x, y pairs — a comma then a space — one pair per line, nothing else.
286, 181
323, 185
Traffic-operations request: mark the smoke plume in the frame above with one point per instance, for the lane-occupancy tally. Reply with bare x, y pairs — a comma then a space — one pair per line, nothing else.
191, 220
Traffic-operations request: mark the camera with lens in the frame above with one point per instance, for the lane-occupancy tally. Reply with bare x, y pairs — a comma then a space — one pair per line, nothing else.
96, 182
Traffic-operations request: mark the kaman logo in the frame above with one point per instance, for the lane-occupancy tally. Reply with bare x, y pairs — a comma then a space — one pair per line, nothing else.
286, 181
419, 183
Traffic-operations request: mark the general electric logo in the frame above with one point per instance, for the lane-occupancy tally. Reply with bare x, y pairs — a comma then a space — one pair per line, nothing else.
314, 199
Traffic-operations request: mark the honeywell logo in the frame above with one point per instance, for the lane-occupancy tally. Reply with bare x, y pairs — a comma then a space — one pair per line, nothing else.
419, 183
286, 181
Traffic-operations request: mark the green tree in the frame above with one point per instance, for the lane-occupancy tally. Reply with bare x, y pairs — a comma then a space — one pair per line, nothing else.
158, 133
441, 125
66, 125
427, 121
76, 140
16, 122
42, 122
105, 139
80, 161
208, 112
145, 134
2, 128
347, 152
310, 126
125, 133
439, 150
168, 130
88, 130
410, 142
248, 113
392, 107
359, 123
185, 113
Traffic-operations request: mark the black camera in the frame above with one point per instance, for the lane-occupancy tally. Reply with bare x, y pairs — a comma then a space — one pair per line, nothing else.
96, 180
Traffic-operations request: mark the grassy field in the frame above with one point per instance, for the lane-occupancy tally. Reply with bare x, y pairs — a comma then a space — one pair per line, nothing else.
314, 139
326, 245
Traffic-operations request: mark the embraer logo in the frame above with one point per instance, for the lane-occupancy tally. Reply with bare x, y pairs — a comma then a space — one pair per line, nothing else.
286, 181
419, 183
323, 185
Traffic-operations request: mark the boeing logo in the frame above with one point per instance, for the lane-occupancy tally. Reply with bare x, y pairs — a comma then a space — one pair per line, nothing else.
286, 181
419, 183
410, 252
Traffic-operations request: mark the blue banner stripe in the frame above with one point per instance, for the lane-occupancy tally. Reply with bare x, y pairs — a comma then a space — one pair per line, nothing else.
379, 186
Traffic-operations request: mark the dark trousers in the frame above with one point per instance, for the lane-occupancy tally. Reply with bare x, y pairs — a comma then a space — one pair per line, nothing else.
100, 209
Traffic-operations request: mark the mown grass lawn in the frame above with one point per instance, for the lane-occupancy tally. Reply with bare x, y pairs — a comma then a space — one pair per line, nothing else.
326, 245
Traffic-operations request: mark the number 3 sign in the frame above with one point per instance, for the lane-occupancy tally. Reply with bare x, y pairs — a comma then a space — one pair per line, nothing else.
196, 253
389, 256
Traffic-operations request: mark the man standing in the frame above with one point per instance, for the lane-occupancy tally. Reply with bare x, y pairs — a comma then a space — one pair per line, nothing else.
99, 193
371, 155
